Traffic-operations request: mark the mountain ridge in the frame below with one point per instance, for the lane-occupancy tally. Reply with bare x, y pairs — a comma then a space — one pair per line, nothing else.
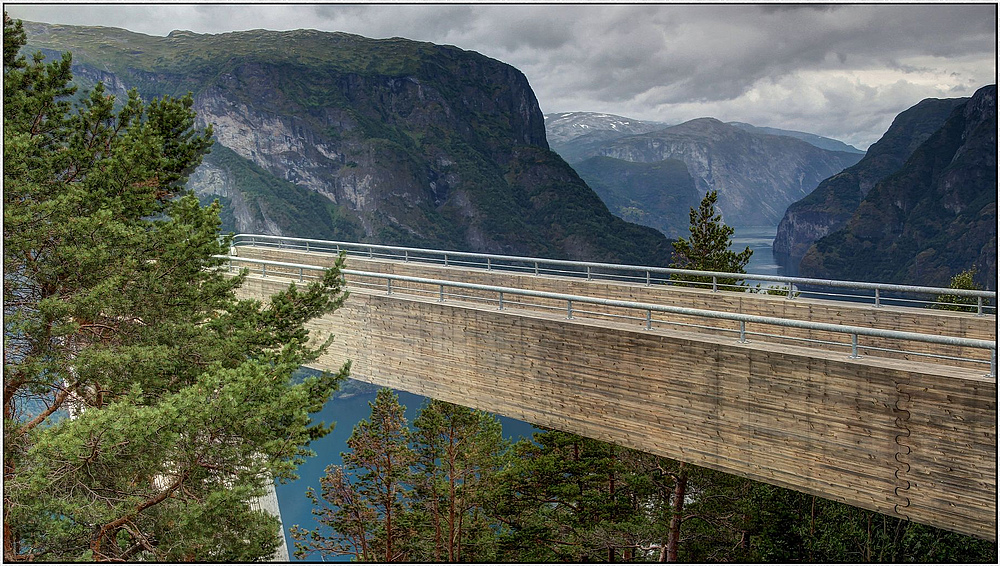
829, 207
757, 175
931, 219
410, 143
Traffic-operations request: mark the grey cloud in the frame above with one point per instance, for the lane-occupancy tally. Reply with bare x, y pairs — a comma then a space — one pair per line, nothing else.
814, 62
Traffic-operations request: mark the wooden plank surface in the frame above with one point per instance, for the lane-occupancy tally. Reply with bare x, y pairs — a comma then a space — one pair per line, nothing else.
903, 438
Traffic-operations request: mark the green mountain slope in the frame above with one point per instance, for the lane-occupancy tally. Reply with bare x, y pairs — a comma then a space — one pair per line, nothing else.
830, 206
658, 194
933, 218
409, 143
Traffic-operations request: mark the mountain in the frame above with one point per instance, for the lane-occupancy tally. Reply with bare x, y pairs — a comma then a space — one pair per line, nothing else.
657, 194
934, 217
831, 205
757, 175
818, 141
393, 141
575, 135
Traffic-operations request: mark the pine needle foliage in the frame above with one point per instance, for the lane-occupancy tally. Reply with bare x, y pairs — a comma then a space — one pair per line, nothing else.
144, 404
707, 249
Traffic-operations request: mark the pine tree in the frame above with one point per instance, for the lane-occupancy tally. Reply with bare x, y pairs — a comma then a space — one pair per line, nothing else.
459, 450
708, 247
963, 280
362, 506
144, 405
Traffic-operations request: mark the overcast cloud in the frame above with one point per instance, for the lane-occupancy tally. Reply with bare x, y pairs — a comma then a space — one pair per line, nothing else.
835, 70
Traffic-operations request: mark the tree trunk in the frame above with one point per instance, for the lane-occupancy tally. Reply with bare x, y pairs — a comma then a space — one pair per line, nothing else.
677, 505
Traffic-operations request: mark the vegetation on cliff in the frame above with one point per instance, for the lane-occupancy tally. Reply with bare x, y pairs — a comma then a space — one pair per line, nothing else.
933, 218
412, 143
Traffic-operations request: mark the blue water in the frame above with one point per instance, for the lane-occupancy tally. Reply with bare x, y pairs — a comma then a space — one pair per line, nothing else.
292, 501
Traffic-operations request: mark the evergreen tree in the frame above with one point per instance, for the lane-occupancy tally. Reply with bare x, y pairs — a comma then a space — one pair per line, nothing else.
144, 405
569, 498
963, 280
459, 451
708, 247
362, 507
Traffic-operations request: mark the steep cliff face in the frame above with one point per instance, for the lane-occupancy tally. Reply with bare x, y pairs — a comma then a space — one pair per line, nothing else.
757, 175
407, 143
830, 206
936, 216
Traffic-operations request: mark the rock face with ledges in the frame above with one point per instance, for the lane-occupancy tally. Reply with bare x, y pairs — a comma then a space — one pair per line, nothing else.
331, 135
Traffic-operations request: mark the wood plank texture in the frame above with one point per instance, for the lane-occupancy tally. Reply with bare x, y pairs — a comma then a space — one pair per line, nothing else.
909, 439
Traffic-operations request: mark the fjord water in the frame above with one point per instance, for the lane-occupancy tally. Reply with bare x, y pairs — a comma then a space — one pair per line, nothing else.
759, 239
346, 412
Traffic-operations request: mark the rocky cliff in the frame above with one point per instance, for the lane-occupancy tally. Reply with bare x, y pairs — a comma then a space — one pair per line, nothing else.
757, 175
406, 142
830, 206
934, 217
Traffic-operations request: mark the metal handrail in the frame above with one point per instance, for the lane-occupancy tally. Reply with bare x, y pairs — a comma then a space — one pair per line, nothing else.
585, 267
853, 331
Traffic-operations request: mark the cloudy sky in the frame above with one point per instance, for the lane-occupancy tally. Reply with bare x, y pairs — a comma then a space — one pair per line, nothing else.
842, 71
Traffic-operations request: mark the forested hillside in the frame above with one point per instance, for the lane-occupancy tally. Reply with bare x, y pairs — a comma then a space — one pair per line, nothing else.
409, 143
935, 217
831, 205
657, 194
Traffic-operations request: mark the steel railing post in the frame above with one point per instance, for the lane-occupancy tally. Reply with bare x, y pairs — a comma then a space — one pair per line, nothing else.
388, 286
588, 273
406, 256
501, 301
854, 347
790, 296
536, 268
993, 364
743, 332
488, 266
263, 270
877, 303
649, 319
569, 309
441, 293
979, 307
446, 260
300, 275
715, 284
647, 278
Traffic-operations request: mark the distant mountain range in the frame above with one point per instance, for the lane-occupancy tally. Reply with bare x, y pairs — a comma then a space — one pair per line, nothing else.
757, 174
331, 135
818, 141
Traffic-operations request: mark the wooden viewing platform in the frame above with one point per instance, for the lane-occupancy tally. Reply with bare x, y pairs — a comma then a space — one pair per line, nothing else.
891, 431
